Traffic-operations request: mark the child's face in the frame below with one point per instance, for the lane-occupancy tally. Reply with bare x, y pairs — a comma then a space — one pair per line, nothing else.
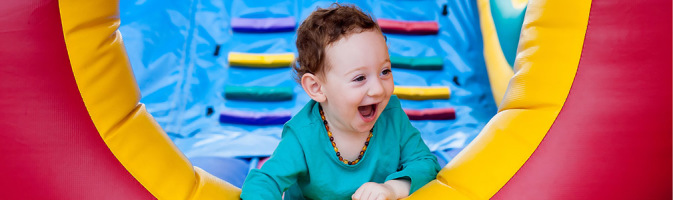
358, 82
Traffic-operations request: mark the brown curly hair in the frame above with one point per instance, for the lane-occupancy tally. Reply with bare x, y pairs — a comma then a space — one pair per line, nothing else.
322, 28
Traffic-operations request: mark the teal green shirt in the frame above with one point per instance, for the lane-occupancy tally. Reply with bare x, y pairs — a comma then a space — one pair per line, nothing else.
305, 165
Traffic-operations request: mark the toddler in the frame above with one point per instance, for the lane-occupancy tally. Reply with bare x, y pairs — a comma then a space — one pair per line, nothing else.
352, 140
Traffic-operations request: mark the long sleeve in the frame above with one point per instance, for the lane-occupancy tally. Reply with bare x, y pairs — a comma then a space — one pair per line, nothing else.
279, 172
417, 163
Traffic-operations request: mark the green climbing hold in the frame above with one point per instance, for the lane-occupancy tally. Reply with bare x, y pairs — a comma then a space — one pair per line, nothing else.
417, 63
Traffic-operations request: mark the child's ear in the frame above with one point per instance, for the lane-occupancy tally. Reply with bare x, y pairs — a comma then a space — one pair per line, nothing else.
313, 87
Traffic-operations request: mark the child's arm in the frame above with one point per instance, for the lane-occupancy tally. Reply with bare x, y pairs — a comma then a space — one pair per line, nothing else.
400, 187
279, 172
417, 164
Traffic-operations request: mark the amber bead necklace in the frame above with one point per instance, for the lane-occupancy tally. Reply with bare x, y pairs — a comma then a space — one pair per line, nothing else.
331, 139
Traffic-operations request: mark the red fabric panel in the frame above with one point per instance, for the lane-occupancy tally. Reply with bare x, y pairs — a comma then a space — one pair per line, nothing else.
408, 27
612, 139
431, 114
50, 147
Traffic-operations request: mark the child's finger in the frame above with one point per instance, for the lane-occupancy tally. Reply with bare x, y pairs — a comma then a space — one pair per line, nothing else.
367, 194
363, 194
358, 194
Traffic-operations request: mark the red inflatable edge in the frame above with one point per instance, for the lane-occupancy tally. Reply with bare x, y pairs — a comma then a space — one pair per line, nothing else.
431, 114
408, 27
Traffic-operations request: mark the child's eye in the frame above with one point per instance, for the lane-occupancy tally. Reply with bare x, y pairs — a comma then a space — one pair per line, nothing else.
386, 72
359, 78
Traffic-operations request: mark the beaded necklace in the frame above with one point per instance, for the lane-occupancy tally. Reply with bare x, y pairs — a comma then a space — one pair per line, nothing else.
331, 139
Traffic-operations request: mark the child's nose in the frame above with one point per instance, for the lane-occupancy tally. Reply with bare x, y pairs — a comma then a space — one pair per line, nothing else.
375, 88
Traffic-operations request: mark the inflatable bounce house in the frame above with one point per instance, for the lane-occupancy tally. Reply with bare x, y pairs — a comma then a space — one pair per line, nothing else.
520, 99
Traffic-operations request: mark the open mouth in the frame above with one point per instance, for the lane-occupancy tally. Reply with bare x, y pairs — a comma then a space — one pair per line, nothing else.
367, 112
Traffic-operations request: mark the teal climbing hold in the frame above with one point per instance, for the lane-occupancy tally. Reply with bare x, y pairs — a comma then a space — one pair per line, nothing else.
258, 93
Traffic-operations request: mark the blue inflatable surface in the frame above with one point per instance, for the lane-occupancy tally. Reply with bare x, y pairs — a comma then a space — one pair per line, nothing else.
178, 50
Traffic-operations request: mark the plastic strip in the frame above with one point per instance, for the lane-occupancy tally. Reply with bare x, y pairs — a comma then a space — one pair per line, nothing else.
261, 162
422, 63
253, 118
258, 93
431, 114
237, 59
253, 163
422, 93
263, 24
408, 27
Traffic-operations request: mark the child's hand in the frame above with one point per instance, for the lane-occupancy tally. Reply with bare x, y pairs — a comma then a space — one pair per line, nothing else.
374, 191
392, 189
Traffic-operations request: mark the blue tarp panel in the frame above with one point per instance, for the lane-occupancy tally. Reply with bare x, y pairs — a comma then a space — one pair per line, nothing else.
171, 45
